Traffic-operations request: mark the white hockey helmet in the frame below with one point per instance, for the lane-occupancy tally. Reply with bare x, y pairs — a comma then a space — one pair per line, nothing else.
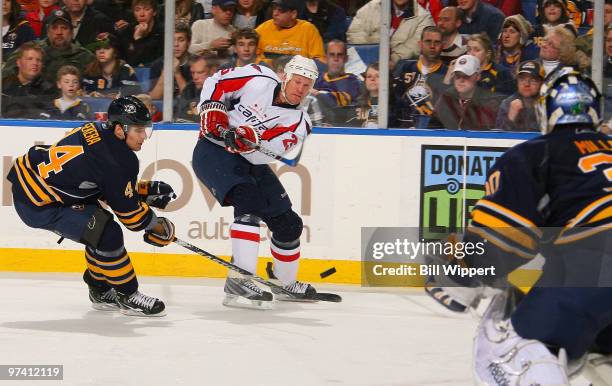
299, 65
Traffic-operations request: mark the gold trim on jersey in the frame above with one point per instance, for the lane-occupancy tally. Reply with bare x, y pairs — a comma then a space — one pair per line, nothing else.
593, 219
133, 219
39, 192
482, 232
530, 225
504, 229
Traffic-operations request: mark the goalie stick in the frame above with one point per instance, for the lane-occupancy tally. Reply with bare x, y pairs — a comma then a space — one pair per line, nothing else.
320, 296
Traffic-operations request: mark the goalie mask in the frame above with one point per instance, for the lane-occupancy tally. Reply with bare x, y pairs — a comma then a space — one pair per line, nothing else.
128, 111
568, 97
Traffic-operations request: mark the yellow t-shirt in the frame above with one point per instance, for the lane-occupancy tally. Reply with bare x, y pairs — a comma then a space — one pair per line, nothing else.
301, 39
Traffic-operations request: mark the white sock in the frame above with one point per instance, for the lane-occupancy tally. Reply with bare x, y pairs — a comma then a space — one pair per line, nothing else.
245, 245
286, 262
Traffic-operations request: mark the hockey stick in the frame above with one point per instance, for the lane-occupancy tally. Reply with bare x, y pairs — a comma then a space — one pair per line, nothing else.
227, 264
287, 161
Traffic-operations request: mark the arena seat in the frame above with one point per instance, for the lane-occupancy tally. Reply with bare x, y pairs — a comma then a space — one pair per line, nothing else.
367, 52
143, 74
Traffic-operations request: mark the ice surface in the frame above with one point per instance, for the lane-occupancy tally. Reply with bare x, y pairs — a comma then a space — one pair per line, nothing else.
389, 337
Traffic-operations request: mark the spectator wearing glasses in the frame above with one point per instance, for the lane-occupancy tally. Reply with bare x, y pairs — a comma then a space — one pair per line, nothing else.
517, 112
214, 35
465, 106
285, 34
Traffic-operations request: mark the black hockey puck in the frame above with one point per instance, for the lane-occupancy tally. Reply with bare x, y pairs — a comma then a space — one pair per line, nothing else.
327, 273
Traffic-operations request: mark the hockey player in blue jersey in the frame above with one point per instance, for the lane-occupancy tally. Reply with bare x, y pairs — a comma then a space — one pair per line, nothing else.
57, 188
550, 195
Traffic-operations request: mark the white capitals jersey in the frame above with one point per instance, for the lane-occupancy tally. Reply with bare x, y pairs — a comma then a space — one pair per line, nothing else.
248, 93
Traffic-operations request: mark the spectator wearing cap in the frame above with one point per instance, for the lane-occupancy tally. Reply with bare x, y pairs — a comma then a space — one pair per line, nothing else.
180, 64
514, 45
329, 19
214, 35
87, 22
550, 13
143, 40
517, 112
18, 29
109, 76
58, 48
480, 17
37, 16
24, 91
453, 43
408, 19
465, 106
285, 34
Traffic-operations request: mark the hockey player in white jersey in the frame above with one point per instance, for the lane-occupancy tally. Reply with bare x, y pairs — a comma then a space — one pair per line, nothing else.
253, 103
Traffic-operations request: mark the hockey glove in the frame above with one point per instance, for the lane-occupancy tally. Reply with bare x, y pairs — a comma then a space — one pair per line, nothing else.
213, 120
156, 193
233, 139
161, 233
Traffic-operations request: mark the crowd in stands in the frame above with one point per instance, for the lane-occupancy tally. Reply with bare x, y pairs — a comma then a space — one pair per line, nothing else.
454, 64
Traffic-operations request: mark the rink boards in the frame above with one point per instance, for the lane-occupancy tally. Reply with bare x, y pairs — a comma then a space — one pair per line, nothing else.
346, 180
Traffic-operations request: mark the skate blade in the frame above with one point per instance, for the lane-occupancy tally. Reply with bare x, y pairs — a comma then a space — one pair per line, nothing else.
104, 307
130, 312
318, 297
235, 301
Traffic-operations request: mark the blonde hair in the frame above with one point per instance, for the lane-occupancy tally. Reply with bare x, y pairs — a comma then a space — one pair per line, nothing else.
485, 42
567, 47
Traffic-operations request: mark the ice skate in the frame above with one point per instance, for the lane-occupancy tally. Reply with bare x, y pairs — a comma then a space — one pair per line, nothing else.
243, 292
301, 292
139, 304
103, 300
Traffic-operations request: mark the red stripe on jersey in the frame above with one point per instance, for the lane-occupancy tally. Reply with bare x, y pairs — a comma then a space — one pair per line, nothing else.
285, 258
235, 234
278, 130
229, 85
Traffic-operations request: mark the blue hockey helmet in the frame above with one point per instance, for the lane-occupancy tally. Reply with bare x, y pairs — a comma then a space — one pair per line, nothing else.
568, 97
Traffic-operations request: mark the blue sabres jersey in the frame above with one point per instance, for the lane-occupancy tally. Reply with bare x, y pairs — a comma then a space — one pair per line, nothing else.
87, 165
340, 91
560, 180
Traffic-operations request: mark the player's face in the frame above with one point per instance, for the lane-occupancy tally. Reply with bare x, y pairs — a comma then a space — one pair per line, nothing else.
136, 136
474, 48
69, 84
464, 84
60, 35
144, 13
223, 15
552, 12
30, 64
511, 38
371, 81
199, 72
336, 58
466, 5
105, 55
283, 18
74, 5
447, 21
246, 49
431, 45
550, 49
181, 43
528, 85
297, 88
